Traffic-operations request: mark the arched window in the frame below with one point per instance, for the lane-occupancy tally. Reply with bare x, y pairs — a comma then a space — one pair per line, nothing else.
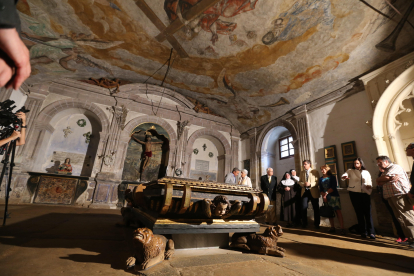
286, 147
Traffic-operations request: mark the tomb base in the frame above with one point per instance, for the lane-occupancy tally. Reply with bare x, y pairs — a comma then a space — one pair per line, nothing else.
200, 241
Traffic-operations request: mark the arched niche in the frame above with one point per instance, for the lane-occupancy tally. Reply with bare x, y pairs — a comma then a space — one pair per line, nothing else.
126, 136
271, 156
136, 157
74, 133
388, 114
219, 144
207, 159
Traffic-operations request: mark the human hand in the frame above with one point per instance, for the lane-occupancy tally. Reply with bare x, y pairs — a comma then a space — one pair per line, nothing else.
17, 52
345, 177
287, 189
325, 199
21, 116
307, 184
395, 178
15, 135
369, 187
6, 69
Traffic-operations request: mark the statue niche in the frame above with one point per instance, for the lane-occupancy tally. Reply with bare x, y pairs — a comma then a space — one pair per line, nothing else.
147, 153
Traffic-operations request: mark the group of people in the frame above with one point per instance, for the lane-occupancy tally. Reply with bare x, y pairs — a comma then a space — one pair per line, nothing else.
296, 191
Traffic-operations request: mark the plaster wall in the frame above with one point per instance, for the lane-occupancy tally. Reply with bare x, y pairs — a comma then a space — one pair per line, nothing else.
213, 163
192, 129
51, 98
132, 114
227, 135
244, 150
341, 122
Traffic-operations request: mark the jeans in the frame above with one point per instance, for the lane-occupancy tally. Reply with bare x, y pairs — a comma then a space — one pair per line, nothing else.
315, 204
362, 206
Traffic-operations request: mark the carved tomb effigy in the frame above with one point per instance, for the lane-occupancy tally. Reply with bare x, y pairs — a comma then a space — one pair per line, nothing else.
185, 206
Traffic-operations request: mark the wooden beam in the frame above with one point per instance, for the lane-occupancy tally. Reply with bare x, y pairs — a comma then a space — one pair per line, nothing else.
160, 26
189, 15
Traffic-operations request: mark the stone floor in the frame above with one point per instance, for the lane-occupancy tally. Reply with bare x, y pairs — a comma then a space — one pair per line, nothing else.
54, 240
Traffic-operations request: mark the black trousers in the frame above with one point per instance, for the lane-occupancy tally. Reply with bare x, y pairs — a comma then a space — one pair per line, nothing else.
362, 206
315, 204
397, 224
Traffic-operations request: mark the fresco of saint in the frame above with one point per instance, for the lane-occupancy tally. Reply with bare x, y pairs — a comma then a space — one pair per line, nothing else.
210, 20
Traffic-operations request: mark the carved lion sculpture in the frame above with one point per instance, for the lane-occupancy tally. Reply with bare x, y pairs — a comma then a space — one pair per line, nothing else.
265, 243
149, 249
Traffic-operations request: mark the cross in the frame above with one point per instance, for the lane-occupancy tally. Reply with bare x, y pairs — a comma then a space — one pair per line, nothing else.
168, 32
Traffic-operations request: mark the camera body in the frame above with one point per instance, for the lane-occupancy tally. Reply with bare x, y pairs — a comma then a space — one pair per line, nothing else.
9, 121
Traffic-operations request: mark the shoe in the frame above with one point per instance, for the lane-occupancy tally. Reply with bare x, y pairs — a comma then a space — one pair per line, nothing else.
331, 230
342, 232
364, 236
405, 241
372, 237
411, 245
398, 240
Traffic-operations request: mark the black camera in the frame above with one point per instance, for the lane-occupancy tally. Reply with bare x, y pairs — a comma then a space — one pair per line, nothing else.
9, 121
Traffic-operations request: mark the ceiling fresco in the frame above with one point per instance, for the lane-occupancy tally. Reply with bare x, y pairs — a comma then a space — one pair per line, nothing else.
248, 61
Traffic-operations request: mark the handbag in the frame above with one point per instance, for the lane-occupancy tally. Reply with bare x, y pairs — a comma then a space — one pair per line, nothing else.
326, 211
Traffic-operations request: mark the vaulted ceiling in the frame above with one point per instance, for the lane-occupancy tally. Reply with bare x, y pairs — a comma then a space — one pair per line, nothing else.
248, 60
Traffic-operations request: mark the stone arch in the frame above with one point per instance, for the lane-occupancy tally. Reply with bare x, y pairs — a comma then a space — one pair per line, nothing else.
130, 126
41, 133
259, 143
141, 88
47, 114
385, 125
221, 139
270, 126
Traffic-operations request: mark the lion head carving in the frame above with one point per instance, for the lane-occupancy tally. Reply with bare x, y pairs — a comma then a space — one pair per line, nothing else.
273, 231
143, 235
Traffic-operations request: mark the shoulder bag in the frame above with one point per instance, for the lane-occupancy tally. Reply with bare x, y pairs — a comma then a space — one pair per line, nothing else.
326, 211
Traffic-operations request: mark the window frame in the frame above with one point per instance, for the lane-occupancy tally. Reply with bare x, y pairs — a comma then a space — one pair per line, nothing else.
289, 148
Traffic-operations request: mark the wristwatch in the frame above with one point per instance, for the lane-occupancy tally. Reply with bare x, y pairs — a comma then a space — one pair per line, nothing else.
23, 126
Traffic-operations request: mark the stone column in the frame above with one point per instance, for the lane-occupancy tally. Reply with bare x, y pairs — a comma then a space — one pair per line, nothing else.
235, 151
304, 145
33, 103
180, 150
254, 158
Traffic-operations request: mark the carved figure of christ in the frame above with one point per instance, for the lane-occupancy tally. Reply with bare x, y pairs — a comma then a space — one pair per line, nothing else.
147, 149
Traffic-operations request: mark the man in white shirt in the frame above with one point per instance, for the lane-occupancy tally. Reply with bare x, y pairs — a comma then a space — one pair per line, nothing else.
309, 181
231, 178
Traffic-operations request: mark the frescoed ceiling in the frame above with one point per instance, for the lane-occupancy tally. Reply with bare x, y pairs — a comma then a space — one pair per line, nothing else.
247, 60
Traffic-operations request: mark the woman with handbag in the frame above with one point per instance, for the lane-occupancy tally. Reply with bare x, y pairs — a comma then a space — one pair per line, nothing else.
360, 188
328, 188
288, 190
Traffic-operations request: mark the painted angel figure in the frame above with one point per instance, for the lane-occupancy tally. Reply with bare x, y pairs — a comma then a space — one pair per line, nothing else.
210, 20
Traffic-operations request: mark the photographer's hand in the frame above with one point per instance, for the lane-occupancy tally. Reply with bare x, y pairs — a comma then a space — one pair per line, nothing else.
15, 135
22, 116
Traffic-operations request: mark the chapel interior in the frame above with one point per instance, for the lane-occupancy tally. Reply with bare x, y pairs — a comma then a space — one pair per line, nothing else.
149, 105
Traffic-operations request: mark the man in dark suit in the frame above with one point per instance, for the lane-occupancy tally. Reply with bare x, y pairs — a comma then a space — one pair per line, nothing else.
268, 184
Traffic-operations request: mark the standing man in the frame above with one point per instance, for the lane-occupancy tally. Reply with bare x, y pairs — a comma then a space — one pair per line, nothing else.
410, 152
232, 177
396, 188
268, 183
309, 181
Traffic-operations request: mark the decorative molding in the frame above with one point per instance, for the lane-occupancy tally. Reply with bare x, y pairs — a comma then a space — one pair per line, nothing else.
406, 61
401, 109
180, 128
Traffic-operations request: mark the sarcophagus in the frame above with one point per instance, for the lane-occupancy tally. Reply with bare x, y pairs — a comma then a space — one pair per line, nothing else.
176, 205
